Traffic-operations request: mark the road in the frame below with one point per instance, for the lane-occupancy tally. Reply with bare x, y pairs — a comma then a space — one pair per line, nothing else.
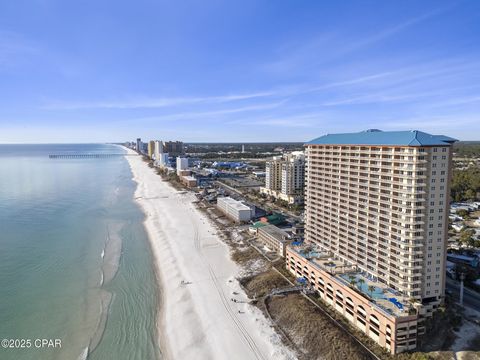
470, 298
229, 190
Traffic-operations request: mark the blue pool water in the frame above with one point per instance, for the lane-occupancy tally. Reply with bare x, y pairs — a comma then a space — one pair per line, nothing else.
376, 294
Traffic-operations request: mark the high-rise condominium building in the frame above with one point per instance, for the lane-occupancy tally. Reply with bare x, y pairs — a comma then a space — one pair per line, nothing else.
379, 200
139, 145
182, 164
151, 148
158, 149
174, 148
285, 177
376, 222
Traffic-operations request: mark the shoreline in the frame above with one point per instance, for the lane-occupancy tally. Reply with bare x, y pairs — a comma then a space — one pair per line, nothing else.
159, 321
196, 315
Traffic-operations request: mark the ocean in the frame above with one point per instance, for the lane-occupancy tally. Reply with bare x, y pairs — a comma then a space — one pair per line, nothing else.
75, 262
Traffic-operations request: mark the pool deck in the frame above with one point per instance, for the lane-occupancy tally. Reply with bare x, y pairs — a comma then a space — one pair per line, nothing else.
380, 296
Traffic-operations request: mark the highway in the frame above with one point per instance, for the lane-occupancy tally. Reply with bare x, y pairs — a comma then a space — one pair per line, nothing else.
471, 298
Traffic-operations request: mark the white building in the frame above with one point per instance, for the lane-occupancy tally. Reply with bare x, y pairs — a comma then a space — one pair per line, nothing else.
182, 164
285, 177
158, 150
163, 160
235, 210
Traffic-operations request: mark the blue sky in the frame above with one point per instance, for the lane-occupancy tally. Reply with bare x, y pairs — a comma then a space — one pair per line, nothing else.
99, 71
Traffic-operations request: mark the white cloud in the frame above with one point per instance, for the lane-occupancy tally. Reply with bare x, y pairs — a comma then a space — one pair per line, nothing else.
153, 102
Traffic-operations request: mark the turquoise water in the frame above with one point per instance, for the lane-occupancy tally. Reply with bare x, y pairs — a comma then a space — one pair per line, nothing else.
75, 262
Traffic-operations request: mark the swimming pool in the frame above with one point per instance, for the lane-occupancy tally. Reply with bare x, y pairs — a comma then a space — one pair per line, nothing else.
377, 293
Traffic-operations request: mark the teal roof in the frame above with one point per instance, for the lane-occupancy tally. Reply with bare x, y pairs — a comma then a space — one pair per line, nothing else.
258, 224
378, 137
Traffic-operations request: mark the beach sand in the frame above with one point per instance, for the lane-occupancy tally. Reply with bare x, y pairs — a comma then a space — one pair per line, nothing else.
198, 320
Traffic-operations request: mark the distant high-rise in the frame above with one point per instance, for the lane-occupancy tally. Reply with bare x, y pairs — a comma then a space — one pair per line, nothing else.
151, 148
285, 177
163, 160
158, 150
174, 148
139, 145
182, 164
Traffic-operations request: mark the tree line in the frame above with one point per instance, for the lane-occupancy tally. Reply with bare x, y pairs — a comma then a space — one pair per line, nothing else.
465, 184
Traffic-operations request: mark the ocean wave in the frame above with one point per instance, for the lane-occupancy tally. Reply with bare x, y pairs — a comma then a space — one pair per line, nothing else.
112, 253
106, 300
83, 355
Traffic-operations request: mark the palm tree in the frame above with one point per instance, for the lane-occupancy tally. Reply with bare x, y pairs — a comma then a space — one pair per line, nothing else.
361, 282
371, 289
353, 282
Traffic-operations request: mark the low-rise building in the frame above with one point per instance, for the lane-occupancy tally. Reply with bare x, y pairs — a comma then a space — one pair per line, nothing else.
274, 238
273, 219
188, 181
383, 314
235, 210
183, 172
259, 174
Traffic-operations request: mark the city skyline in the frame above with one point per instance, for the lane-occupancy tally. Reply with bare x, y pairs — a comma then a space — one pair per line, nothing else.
236, 72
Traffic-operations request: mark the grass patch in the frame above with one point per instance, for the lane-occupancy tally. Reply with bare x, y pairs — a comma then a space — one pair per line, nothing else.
261, 284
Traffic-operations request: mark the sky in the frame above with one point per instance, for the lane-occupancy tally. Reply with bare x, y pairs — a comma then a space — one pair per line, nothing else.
236, 71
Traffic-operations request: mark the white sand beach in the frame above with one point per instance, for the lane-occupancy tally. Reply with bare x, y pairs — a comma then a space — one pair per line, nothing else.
198, 320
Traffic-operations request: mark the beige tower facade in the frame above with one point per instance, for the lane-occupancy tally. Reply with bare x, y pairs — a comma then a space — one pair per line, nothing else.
151, 148
379, 201
285, 177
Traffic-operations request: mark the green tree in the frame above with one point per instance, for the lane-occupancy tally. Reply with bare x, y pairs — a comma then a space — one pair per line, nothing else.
361, 282
371, 289
470, 194
466, 237
465, 184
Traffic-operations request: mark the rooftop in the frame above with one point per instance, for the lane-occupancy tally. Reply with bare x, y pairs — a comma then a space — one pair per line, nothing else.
276, 232
273, 219
378, 137
234, 203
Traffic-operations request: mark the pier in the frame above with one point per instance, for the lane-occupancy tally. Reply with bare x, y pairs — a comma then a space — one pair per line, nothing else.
86, 156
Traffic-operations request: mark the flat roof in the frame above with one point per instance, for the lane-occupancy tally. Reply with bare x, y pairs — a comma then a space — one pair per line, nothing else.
234, 203
276, 232
378, 137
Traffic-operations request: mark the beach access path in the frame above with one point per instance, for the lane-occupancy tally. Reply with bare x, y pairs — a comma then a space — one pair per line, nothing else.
198, 317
